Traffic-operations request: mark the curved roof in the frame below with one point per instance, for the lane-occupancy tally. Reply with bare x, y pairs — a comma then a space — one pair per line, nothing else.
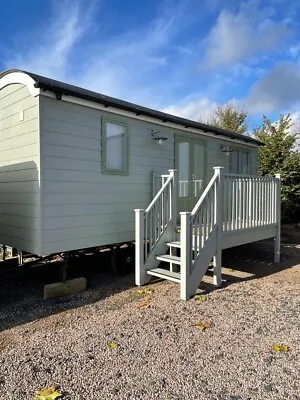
62, 88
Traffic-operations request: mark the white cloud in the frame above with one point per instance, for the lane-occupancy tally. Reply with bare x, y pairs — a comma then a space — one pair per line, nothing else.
236, 37
192, 109
295, 50
128, 65
50, 53
277, 90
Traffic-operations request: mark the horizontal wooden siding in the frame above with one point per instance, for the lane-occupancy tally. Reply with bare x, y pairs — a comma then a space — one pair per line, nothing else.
19, 169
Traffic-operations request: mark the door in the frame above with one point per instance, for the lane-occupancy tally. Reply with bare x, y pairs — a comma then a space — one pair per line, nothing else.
190, 161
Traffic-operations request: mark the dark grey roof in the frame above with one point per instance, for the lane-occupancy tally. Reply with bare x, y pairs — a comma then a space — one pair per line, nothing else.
61, 88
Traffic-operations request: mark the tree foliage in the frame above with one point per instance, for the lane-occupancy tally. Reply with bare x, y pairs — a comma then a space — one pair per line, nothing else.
229, 117
279, 155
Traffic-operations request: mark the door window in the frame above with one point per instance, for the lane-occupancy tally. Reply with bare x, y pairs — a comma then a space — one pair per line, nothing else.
190, 162
240, 162
183, 168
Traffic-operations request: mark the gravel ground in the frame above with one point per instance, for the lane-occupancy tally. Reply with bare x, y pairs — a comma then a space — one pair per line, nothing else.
161, 353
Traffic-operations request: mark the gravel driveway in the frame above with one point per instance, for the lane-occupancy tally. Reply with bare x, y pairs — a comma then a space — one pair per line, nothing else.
160, 353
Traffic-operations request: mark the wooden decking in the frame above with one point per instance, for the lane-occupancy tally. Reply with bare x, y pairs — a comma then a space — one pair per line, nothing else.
232, 210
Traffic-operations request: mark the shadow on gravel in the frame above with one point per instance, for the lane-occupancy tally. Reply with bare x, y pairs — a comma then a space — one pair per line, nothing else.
257, 259
21, 290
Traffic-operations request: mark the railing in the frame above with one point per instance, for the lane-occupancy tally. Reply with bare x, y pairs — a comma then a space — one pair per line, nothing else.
188, 188
185, 187
157, 182
154, 222
199, 235
204, 216
158, 215
249, 201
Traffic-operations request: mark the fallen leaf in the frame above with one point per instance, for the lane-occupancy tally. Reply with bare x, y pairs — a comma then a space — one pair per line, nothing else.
47, 394
280, 347
144, 303
112, 344
199, 297
203, 325
145, 291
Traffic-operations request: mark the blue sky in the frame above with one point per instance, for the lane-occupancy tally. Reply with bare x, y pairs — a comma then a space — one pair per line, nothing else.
181, 56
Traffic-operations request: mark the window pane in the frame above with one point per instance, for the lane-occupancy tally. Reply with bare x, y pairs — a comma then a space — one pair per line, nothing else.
245, 164
198, 173
183, 163
234, 162
115, 146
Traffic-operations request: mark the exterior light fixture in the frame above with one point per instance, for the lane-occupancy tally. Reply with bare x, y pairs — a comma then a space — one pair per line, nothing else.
226, 149
157, 137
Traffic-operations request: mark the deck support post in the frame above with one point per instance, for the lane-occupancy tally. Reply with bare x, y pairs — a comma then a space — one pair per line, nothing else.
141, 276
186, 259
278, 220
20, 257
218, 217
217, 263
64, 268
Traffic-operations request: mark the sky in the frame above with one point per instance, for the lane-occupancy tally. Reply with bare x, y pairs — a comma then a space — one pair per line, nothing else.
184, 57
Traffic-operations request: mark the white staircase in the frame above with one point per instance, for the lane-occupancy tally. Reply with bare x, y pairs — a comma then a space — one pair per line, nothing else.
156, 237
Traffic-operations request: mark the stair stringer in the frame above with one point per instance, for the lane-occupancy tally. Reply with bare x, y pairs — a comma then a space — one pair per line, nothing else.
151, 262
190, 284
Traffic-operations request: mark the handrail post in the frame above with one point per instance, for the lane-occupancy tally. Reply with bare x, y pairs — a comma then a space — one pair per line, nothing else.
174, 174
186, 252
278, 219
140, 273
218, 212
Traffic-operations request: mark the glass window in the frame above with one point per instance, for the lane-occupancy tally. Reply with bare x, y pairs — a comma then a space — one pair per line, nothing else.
245, 162
234, 162
114, 145
240, 162
184, 160
199, 169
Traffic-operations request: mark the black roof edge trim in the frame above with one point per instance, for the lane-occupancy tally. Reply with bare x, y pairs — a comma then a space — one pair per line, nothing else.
70, 90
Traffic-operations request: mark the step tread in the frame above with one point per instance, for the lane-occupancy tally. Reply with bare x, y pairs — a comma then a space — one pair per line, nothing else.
166, 274
169, 258
174, 244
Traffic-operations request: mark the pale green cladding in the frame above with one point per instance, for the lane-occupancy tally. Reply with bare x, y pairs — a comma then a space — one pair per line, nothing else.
84, 207
54, 196
19, 169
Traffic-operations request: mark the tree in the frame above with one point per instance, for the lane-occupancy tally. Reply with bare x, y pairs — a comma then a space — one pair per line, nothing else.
228, 117
279, 155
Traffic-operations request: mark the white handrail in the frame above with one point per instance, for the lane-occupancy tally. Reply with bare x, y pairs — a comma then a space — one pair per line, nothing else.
248, 176
205, 193
159, 193
154, 226
200, 236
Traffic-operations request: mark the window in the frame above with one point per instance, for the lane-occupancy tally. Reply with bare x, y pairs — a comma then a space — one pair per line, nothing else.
114, 148
240, 162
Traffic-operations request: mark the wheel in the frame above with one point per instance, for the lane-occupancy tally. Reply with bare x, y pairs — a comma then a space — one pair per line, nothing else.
123, 259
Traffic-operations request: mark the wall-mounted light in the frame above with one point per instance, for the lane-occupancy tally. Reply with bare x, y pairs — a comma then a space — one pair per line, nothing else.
226, 149
156, 136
